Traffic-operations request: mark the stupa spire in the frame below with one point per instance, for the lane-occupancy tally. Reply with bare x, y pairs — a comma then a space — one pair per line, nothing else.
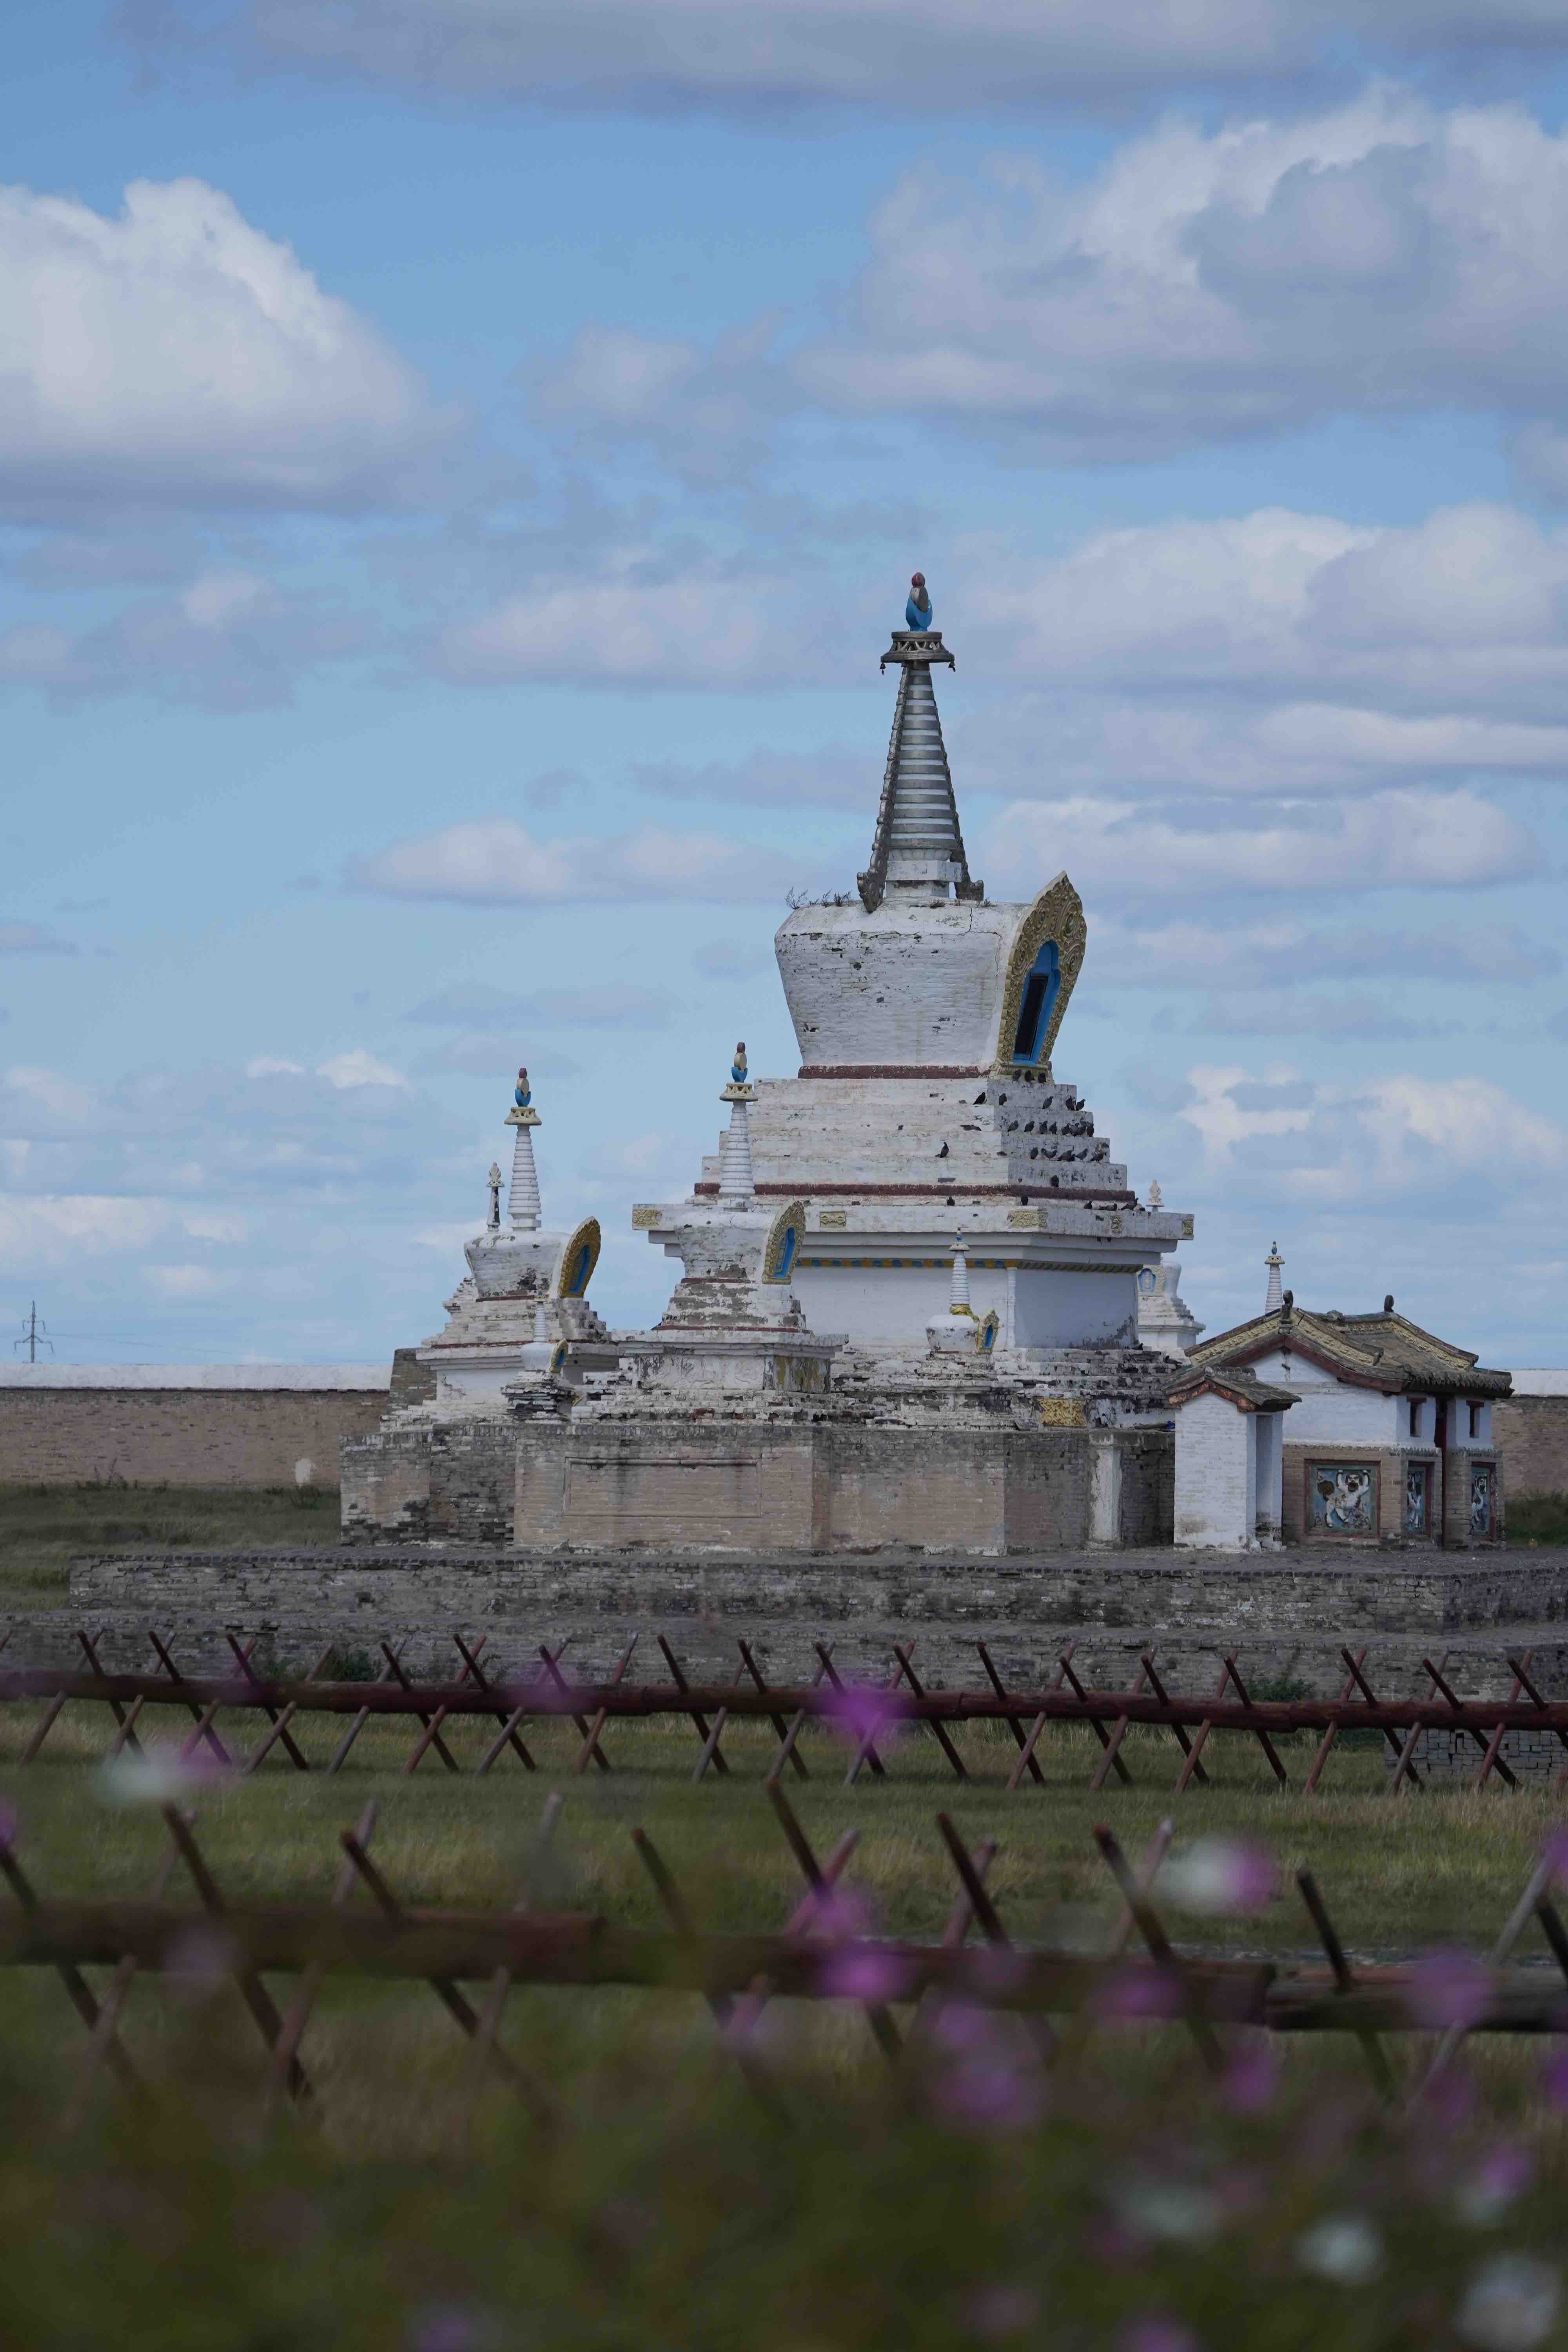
737, 1185
917, 850
522, 1202
1276, 1298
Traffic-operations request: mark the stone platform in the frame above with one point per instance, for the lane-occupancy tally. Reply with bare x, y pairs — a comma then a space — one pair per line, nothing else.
1284, 1615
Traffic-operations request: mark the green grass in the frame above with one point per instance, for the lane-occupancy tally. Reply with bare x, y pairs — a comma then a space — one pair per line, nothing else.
43, 1529
1397, 1872
1538, 1519
419, 2211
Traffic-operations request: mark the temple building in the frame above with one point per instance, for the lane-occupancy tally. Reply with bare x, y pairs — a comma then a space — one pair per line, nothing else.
908, 1315
1386, 1435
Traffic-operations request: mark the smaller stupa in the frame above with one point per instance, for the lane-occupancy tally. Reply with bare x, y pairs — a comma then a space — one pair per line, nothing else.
527, 1286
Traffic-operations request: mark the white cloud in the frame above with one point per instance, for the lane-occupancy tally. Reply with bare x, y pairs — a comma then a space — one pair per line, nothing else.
1120, 850
1247, 956
640, 630
33, 939
1466, 612
175, 355
37, 1231
664, 54
228, 641
495, 861
1386, 1137
359, 1068
1381, 257
187, 1281
269, 1065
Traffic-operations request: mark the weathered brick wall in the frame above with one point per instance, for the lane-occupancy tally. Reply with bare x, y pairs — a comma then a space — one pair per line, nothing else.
450, 1480
179, 1436
1289, 1617
826, 1488
1532, 1435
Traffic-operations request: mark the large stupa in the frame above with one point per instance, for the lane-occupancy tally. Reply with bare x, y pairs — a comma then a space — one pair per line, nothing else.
926, 1106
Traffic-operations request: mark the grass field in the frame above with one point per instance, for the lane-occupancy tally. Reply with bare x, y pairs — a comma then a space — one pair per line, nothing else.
1113, 2203
43, 1528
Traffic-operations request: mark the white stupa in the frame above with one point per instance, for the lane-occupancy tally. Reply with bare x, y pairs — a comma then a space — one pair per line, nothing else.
926, 1117
526, 1289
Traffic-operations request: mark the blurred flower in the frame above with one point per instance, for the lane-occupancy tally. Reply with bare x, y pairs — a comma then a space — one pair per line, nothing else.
1503, 2174
199, 1960
1251, 2078
1450, 1989
864, 1973
1554, 2075
10, 1822
1511, 2304
1155, 2332
1217, 1878
1138, 1990
160, 1775
862, 1713
453, 2327
960, 2025
997, 1970
989, 2091
1556, 1852
843, 1912
995, 2081
1182, 2212
1449, 2099
1343, 2248
994, 2313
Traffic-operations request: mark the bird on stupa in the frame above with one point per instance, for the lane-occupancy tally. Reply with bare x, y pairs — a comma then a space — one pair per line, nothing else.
521, 1093
917, 612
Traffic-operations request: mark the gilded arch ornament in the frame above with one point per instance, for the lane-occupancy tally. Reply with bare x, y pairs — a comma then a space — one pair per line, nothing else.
573, 1269
785, 1236
1057, 914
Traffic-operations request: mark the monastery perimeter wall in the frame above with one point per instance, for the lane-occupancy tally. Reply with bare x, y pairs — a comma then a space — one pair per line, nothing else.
197, 1425
1532, 1433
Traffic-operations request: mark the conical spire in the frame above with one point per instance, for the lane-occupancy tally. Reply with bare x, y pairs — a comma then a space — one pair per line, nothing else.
522, 1201
917, 850
737, 1185
1275, 1298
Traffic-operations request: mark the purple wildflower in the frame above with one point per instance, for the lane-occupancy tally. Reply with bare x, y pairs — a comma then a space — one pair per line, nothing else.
452, 2328
10, 1824
1156, 2332
1251, 2078
864, 1972
990, 2091
960, 2025
1556, 1852
862, 1713
1450, 1989
994, 2313
996, 1969
1502, 2174
1138, 1990
1554, 2076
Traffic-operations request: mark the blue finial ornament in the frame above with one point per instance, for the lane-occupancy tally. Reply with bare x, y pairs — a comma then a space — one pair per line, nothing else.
521, 1093
738, 1066
917, 612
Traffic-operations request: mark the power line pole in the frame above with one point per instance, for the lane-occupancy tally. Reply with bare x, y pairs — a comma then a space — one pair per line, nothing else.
32, 1332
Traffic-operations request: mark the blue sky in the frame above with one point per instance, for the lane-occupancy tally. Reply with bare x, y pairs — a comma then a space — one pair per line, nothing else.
458, 467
